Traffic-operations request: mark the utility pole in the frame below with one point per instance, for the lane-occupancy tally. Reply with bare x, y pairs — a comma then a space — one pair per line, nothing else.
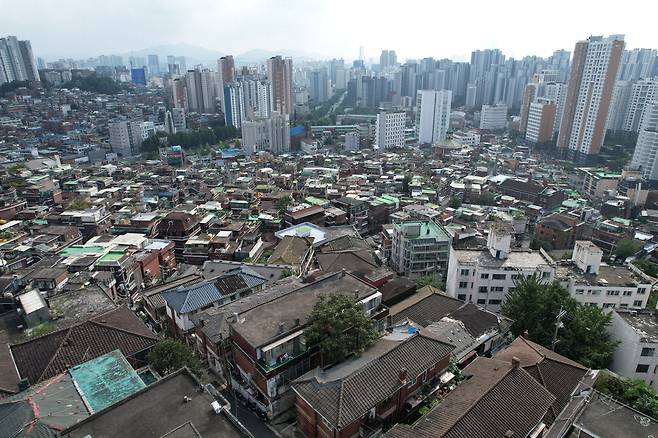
558, 323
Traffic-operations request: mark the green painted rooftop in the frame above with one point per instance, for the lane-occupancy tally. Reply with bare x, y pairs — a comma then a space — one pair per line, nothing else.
81, 250
112, 256
106, 380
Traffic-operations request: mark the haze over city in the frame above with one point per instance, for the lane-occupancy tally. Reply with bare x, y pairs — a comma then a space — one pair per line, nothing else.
327, 29
287, 219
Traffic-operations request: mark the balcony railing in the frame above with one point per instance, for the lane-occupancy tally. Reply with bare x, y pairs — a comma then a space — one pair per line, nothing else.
280, 361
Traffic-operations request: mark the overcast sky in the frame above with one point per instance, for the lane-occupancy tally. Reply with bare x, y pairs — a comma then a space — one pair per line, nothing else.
334, 28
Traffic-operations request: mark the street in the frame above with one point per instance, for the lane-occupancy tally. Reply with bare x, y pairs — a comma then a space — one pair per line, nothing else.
251, 421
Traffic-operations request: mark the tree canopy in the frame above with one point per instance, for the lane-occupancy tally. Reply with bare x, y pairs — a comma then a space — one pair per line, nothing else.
634, 393
455, 202
534, 306
339, 327
170, 355
430, 280
626, 248
96, 84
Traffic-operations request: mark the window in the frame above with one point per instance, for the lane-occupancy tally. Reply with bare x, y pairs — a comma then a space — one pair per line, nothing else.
628, 293
499, 276
623, 306
545, 274
637, 303
483, 289
648, 352
497, 289
461, 297
463, 284
609, 305
580, 291
613, 293
514, 276
594, 292
641, 290
482, 301
494, 302
484, 276
464, 272
642, 368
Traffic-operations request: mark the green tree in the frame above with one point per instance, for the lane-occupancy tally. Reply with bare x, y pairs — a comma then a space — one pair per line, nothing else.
585, 338
536, 244
635, 393
626, 248
339, 327
533, 306
282, 204
170, 355
96, 84
405, 184
583, 335
487, 198
430, 280
646, 267
455, 202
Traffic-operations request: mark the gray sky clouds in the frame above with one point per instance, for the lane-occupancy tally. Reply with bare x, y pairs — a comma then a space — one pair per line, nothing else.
414, 28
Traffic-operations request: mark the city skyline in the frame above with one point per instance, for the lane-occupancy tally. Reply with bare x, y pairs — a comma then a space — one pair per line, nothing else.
335, 29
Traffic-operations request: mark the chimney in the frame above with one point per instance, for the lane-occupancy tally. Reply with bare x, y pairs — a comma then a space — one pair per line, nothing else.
403, 376
516, 362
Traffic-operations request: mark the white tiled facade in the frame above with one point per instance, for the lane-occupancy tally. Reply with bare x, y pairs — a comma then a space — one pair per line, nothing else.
389, 130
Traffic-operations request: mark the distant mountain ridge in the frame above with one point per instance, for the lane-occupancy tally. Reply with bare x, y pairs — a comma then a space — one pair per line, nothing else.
201, 55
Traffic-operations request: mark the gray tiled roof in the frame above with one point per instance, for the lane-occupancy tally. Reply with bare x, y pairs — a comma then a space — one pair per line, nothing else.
495, 399
342, 401
197, 296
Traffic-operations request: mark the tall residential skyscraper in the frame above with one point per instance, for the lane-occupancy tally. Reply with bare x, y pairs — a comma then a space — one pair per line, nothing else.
17, 61
201, 91
642, 92
279, 72
645, 156
389, 130
432, 115
637, 64
226, 69
234, 104
589, 92
271, 134
154, 65
319, 85
388, 58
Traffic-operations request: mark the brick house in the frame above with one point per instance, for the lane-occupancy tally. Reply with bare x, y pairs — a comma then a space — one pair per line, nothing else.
342, 401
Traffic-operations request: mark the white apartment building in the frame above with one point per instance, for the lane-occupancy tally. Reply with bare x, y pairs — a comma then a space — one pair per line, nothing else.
642, 92
470, 138
271, 134
486, 276
593, 283
351, 141
125, 137
636, 355
178, 115
493, 117
234, 104
541, 121
389, 130
432, 115
589, 93
645, 156
420, 248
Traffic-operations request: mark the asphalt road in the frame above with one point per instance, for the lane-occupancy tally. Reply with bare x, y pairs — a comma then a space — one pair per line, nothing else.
251, 421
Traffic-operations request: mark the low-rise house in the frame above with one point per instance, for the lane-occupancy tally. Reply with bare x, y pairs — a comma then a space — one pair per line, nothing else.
486, 276
496, 399
363, 395
420, 248
182, 303
636, 354
179, 405
294, 251
593, 283
268, 344
41, 358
